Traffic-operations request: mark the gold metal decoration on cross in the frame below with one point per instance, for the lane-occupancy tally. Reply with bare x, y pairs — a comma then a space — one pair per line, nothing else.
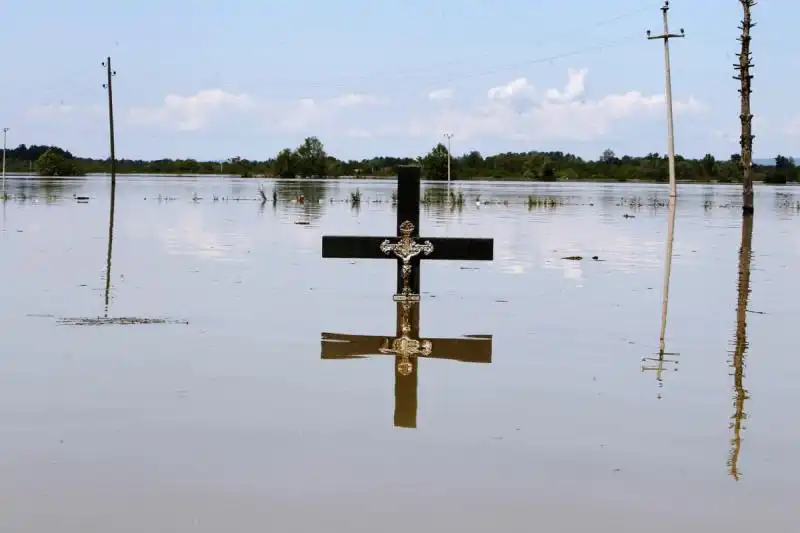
404, 346
406, 249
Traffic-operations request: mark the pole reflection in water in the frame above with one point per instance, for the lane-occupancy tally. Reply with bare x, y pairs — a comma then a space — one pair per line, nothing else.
110, 243
740, 345
661, 360
105, 320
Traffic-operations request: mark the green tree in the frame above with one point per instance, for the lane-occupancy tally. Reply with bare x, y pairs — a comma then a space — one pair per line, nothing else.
52, 163
434, 165
709, 163
240, 167
311, 158
285, 164
783, 162
539, 167
608, 156
783, 172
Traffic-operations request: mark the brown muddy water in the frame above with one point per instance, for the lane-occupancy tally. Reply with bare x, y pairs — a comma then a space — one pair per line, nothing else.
218, 413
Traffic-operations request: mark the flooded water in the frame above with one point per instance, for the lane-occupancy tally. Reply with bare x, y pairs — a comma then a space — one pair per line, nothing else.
223, 415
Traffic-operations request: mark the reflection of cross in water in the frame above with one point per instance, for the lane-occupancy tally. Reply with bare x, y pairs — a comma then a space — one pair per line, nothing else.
407, 348
658, 368
404, 347
404, 246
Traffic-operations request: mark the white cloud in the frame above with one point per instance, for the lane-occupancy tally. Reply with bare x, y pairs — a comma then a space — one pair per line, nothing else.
66, 113
358, 133
191, 113
793, 128
441, 95
518, 110
50, 111
355, 99
299, 115
576, 86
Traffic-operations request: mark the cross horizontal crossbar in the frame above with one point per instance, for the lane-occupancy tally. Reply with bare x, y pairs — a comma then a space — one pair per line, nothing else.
470, 349
444, 248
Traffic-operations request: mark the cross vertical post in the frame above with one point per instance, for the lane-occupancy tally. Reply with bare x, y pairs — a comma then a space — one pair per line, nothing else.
408, 200
407, 247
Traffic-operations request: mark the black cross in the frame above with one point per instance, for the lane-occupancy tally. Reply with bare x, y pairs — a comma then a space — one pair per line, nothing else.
407, 241
407, 348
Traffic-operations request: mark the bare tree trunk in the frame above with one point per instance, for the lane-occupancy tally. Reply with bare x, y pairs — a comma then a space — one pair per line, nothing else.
746, 117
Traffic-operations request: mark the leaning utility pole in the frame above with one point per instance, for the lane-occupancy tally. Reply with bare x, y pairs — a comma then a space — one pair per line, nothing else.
673, 190
745, 62
110, 74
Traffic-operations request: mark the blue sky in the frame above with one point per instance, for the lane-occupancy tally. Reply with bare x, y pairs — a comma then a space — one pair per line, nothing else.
212, 80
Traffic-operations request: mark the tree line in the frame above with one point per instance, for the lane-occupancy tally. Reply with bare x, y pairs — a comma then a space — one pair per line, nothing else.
311, 160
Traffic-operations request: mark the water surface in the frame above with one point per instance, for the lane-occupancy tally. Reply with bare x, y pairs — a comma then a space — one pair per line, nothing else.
235, 422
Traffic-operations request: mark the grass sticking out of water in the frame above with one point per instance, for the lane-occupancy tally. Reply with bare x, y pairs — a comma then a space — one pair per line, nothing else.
456, 199
443, 197
637, 202
551, 202
118, 321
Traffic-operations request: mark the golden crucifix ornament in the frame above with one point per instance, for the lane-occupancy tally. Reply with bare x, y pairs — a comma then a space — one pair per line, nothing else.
406, 249
404, 346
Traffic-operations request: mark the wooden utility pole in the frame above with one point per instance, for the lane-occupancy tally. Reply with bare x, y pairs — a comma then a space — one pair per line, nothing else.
743, 68
110, 74
673, 191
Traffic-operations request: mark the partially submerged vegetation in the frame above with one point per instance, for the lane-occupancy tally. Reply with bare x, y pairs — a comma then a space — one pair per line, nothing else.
117, 321
438, 196
310, 194
535, 201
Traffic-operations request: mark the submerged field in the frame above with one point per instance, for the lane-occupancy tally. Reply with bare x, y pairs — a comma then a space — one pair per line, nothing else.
199, 400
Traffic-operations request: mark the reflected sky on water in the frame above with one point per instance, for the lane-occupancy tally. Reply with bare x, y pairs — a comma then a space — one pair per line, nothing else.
234, 421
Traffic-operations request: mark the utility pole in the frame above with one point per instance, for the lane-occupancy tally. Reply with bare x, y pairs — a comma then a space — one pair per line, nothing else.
448, 136
110, 74
746, 139
673, 190
5, 133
